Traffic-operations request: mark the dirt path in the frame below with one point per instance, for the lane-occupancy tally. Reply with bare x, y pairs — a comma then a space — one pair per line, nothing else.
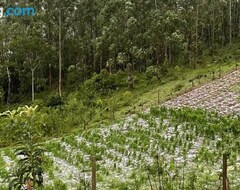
217, 95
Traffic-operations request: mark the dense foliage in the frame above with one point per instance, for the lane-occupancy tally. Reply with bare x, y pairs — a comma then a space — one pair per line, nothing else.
127, 35
20, 127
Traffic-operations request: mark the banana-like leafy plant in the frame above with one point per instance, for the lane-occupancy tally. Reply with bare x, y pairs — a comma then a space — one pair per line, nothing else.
30, 163
29, 153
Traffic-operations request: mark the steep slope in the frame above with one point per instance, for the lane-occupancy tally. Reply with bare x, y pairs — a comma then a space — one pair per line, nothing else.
188, 145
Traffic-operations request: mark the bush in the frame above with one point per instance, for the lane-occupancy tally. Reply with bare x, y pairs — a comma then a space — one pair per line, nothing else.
1, 97
58, 184
16, 123
38, 102
55, 101
151, 72
104, 83
127, 96
178, 87
154, 79
120, 79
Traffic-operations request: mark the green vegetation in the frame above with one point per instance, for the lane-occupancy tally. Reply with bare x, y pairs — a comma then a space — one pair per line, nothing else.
64, 46
88, 70
29, 153
90, 106
181, 148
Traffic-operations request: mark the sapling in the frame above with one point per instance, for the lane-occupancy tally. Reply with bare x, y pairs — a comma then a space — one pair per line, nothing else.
213, 74
219, 72
113, 105
192, 81
199, 78
130, 75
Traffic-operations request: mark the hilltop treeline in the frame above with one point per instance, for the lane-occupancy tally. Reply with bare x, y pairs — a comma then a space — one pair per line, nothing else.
67, 41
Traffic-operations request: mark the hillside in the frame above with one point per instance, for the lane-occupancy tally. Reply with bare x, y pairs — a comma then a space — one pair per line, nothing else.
221, 95
189, 145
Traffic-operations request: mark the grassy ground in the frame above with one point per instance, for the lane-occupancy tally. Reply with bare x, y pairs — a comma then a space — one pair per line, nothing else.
149, 93
145, 94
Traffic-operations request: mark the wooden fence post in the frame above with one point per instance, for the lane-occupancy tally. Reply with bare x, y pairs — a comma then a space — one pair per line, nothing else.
94, 181
225, 186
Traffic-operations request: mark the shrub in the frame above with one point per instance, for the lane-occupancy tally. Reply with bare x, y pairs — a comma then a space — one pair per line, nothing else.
58, 184
113, 105
104, 83
154, 79
120, 79
127, 96
54, 101
38, 102
151, 72
177, 69
178, 87
101, 83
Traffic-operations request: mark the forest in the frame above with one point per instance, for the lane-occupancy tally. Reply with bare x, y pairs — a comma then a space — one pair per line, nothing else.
64, 44
91, 95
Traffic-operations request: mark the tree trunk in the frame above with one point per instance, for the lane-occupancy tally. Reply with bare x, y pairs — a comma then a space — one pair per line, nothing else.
50, 76
130, 76
49, 42
230, 22
29, 184
222, 28
213, 28
149, 179
156, 4
158, 52
9, 86
196, 32
60, 54
32, 84
110, 68
170, 55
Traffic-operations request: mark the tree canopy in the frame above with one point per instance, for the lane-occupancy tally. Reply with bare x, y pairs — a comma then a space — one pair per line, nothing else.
78, 38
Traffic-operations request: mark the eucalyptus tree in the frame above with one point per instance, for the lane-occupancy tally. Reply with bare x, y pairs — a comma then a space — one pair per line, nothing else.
29, 51
230, 22
60, 16
6, 57
6, 61
93, 35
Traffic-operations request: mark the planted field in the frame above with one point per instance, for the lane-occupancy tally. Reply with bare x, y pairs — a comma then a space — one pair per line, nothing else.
217, 95
174, 149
